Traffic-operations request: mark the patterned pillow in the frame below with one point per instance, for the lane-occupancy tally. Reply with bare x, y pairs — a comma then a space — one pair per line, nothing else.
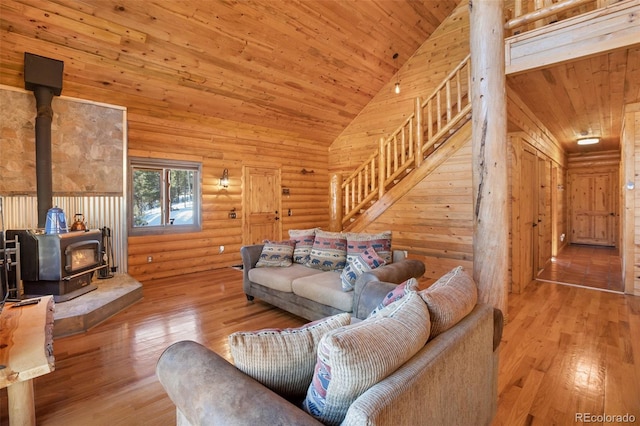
450, 299
351, 359
282, 359
357, 242
304, 239
365, 261
276, 253
329, 252
401, 290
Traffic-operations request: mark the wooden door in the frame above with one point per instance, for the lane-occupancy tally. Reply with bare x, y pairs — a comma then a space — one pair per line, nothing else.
544, 217
593, 211
528, 240
262, 205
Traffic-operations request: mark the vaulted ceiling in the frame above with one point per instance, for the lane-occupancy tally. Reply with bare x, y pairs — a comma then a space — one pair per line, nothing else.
302, 67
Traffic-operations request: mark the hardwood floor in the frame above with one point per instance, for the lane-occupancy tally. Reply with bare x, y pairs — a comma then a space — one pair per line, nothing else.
590, 266
566, 350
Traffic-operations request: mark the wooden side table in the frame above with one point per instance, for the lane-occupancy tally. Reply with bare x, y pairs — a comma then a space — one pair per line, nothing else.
26, 352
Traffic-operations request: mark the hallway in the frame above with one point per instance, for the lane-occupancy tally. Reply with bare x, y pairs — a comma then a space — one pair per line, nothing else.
588, 266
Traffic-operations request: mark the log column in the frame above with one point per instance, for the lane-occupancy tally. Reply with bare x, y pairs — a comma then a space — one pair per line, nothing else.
489, 147
335, 203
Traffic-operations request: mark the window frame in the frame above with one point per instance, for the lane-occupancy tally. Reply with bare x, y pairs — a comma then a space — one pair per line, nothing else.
165, 166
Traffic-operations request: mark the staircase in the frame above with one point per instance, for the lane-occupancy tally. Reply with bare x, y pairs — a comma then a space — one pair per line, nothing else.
422, 142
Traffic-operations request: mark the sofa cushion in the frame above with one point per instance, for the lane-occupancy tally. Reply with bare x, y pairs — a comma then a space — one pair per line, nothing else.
450, 299
304, 239
363, 262
357, 242
324, 288
276, 253
282, 359
401, 290
351, 359
280, 278
329, 252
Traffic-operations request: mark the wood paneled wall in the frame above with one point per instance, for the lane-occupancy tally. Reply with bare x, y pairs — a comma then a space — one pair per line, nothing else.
420, 75
219, 145
630, 199
434, 221
529, 133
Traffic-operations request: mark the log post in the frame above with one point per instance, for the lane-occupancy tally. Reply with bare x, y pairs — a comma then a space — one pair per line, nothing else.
419, 133
335, 202
489, 147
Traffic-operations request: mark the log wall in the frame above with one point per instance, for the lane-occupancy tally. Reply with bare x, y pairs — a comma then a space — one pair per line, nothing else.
221, 145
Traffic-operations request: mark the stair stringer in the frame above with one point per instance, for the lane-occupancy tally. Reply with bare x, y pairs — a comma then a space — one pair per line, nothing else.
428, 166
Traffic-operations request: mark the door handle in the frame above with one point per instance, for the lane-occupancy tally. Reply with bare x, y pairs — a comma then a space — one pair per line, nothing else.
612, 214
535, 224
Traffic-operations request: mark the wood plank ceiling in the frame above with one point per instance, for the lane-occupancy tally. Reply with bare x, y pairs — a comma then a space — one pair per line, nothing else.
301, 67
304, 67
584, 97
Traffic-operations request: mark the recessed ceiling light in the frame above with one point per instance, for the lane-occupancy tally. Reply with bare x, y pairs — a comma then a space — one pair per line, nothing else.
588, 141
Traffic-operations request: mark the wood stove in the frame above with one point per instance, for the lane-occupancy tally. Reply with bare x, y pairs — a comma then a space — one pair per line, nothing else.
58, 264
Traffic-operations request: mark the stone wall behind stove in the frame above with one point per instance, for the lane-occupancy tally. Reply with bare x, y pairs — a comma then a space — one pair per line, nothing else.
88, 142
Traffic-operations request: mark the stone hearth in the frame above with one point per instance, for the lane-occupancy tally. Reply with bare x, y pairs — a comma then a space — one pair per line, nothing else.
86, 311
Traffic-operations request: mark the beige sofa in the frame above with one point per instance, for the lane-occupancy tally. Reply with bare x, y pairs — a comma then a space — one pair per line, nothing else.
312, 293
451, 380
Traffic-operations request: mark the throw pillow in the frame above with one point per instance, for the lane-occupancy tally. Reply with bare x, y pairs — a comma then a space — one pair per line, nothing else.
351, 359
304, 239
450, 299
329, 252
282, 359
357, 242
276, 253
365, 261
401, 290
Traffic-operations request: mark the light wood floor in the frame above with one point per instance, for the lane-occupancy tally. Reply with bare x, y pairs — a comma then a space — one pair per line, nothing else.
566, 350
590, 266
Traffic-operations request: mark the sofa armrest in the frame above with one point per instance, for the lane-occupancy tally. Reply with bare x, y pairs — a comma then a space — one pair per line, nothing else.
250, 256
372, 286
397, 272
207, 390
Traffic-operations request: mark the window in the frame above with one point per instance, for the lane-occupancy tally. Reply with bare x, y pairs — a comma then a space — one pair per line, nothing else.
164, 196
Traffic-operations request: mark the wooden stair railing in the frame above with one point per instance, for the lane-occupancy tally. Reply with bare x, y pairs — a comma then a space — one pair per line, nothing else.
527, 15
425, 130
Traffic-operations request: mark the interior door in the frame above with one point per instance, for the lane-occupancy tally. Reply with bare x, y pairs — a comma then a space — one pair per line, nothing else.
593, 213
528, 194
262, 205
544, 228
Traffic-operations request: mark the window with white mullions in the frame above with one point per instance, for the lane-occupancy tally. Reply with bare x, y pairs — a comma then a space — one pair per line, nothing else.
165, 196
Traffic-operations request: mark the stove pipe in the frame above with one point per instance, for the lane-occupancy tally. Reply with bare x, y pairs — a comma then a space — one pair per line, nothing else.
43, 76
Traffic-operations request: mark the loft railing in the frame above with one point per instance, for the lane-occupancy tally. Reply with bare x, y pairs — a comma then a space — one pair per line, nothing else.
432, 121
529, 14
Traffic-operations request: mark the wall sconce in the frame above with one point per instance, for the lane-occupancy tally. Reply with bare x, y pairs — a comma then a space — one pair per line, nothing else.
224, 180
631, 185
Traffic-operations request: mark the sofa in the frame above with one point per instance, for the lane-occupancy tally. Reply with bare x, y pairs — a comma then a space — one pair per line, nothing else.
449, 380
313, 293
